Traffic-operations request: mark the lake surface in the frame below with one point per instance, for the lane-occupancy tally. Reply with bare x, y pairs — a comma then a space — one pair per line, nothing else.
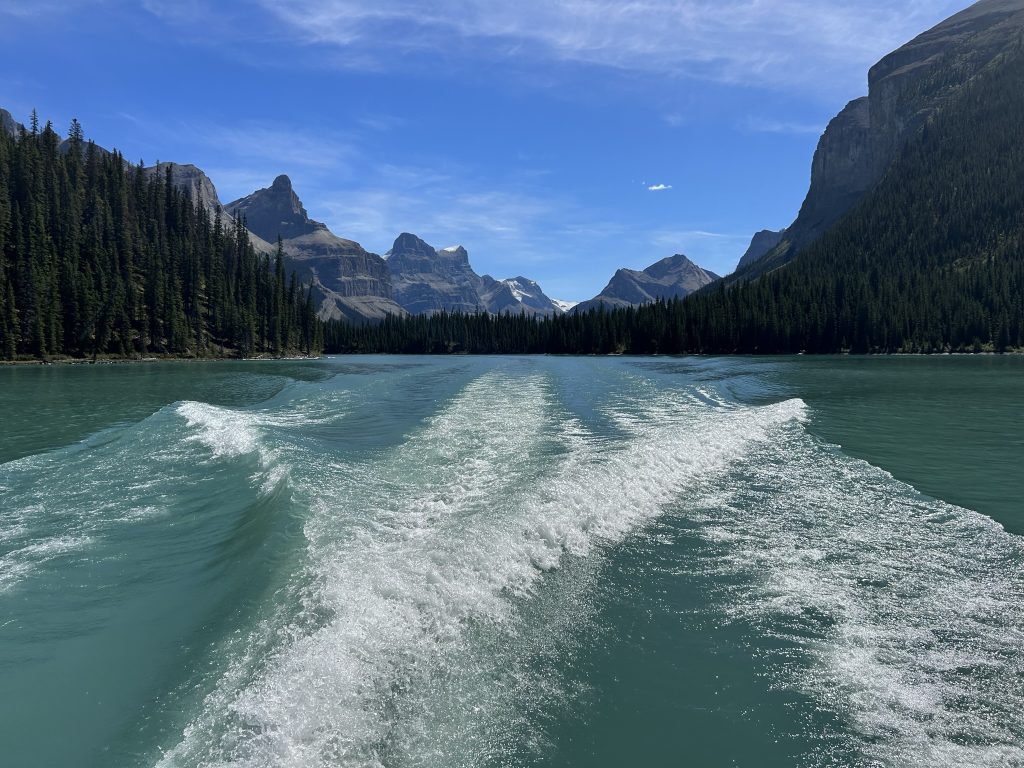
513, 562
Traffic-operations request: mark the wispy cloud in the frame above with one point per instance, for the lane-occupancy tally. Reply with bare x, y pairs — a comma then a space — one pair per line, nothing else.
283, 146
509, 220
27, 9
659, 187
768, 125
756, 42
717, 251
675, 237
381, 123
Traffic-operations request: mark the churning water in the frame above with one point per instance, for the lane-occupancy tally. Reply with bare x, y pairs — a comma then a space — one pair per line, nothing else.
503, 562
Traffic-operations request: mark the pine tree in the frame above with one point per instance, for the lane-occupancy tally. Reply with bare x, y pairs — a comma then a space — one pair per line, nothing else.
101, 258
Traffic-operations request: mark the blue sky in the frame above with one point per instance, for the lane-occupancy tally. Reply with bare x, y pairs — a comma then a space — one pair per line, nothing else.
558, 139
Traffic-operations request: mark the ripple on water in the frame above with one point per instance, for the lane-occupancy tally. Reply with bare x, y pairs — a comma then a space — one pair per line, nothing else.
420, 555
909, 611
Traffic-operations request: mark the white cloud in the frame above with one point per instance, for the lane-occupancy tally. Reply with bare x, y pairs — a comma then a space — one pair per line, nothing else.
250, 154
781, 43
27, 9
768, 125
672, 238
717, 251
659, 187
284, 147
498, 221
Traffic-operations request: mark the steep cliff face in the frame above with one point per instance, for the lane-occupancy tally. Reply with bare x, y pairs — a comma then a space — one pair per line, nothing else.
190, 179
671, 278
845, 166
349, 282
355, 283
8, 123
761, 243
427, 280
904, 89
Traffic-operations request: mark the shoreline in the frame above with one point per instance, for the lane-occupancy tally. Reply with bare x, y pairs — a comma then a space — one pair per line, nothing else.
154, 359
72, 361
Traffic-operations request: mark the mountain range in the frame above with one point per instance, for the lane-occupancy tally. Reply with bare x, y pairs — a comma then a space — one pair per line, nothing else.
415, 278
428, 280
908, 239
350, 283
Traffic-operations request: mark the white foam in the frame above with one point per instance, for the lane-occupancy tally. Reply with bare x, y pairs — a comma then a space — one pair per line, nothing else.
225, 432
19, 563
908, 611
414, 556
230, 433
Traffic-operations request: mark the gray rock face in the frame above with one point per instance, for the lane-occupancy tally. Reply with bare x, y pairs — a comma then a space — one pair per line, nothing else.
349, 282
200, 188
843, 169
354, 283
517, 295
671, 278
275, 211
760, 245
8, 123
904, 89
65, 146
427, 280
192, 180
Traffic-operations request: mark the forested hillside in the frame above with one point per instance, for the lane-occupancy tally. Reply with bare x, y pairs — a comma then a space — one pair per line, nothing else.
99, 258
932, 260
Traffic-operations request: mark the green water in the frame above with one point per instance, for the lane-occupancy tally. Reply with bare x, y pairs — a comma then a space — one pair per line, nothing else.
513, 562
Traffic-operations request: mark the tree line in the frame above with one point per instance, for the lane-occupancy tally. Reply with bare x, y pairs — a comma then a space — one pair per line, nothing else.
99, 257
930, 261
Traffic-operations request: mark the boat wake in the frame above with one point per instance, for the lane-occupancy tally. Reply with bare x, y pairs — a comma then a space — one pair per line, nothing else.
421, 561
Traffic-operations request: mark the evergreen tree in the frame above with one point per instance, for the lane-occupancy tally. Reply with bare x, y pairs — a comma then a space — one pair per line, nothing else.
99, 258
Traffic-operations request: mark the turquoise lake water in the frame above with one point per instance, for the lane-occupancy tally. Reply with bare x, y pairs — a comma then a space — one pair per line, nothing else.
513, 562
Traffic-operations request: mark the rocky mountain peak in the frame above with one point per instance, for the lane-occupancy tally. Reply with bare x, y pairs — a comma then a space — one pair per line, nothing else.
516, 295
673, 265
275, 211
428, 280
672, 277
409, 245
411, 253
